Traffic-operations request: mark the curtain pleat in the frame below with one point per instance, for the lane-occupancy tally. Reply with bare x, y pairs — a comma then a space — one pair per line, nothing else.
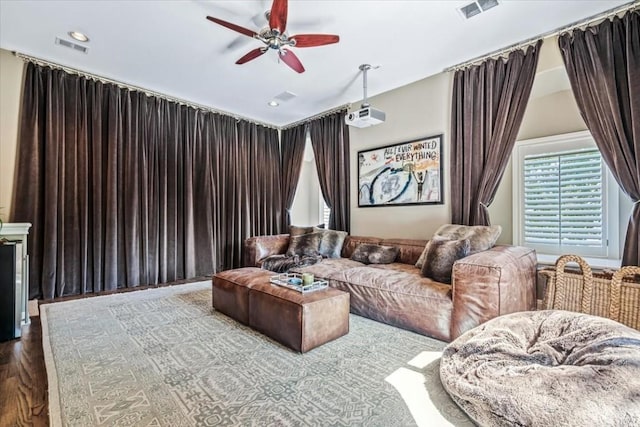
249, 181
330, 141
292, 145
124, 190
603, 63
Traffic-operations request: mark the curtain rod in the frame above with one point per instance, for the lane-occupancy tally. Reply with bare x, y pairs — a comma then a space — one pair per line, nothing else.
317, 116
521, 45
147, 92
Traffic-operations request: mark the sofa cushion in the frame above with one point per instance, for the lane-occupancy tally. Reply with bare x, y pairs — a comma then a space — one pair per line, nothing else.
405, 280
328, 267
375, 254
396, 294
331, 242
304, 244
441, 255
480, 237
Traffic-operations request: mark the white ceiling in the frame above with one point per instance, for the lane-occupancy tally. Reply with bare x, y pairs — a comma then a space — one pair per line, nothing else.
169, 47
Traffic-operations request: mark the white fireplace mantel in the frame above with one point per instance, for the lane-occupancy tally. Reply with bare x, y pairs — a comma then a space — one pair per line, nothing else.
18, 232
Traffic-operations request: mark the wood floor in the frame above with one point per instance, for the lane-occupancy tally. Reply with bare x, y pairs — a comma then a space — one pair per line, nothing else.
23, 379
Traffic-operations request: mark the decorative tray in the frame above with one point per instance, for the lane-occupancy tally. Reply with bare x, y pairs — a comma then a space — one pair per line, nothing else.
294, 281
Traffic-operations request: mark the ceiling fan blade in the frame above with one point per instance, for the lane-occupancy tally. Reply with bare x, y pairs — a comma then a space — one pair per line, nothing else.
251, 55
278, 16
311, 40
234, 27
291, 60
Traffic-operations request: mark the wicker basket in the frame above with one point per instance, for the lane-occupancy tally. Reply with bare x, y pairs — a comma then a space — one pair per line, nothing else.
614, 296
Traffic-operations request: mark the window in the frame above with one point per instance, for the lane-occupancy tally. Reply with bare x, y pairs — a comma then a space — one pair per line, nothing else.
563, 200
563, 197
324, 211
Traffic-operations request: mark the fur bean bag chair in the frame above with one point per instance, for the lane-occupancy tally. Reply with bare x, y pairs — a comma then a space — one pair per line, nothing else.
546, 368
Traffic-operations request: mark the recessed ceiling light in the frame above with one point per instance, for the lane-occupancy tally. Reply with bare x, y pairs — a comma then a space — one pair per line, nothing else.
79, 36
273, 104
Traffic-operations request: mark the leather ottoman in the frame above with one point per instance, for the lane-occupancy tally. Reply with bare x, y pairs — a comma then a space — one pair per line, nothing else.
296, 320
230, 293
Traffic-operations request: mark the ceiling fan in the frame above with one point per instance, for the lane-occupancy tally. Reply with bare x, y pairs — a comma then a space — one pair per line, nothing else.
274, 37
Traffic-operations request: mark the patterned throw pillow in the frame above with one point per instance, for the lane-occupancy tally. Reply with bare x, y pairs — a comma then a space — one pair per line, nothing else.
375, 254
282, 264
441, 255
480, 237
304, 244
331, 243
296, 230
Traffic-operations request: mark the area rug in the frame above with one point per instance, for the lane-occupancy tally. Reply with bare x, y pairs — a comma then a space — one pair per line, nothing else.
164, 357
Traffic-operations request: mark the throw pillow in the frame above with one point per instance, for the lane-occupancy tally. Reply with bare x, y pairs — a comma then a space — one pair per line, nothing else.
304, 244
331, 242
282, 263
296, 230
480, 237
375, 254
441, 255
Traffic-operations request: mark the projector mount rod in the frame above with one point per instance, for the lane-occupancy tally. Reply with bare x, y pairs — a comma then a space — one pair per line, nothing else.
364, 68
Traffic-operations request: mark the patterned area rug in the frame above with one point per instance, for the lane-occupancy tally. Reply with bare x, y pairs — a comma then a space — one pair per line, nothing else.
164, 357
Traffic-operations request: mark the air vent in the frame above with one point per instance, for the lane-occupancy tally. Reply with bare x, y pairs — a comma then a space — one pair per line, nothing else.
487, 4
470, 10
285, 96
477, 7
71, 45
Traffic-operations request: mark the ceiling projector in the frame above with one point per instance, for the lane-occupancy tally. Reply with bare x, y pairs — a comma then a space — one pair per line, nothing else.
365, 116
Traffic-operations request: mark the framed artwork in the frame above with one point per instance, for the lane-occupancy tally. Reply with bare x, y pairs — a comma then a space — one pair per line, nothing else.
409, 173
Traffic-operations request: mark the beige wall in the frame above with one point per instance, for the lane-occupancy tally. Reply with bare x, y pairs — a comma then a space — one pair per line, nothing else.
11, 73
422, 109
414, 111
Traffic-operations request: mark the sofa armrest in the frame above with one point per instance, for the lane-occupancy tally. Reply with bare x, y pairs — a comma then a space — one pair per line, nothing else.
259, 247
491, 283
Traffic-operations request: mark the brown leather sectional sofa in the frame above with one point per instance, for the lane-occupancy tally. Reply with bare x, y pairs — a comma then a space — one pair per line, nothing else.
484, 285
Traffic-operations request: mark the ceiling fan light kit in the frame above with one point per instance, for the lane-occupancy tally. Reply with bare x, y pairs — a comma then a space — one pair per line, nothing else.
275, 37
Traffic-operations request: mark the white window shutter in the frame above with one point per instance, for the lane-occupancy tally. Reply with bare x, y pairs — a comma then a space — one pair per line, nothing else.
564, 202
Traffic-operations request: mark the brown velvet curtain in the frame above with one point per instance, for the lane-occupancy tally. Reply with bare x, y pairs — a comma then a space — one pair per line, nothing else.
249, 183
330, 141
489, 101
292, 146
125, 190
603, 63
